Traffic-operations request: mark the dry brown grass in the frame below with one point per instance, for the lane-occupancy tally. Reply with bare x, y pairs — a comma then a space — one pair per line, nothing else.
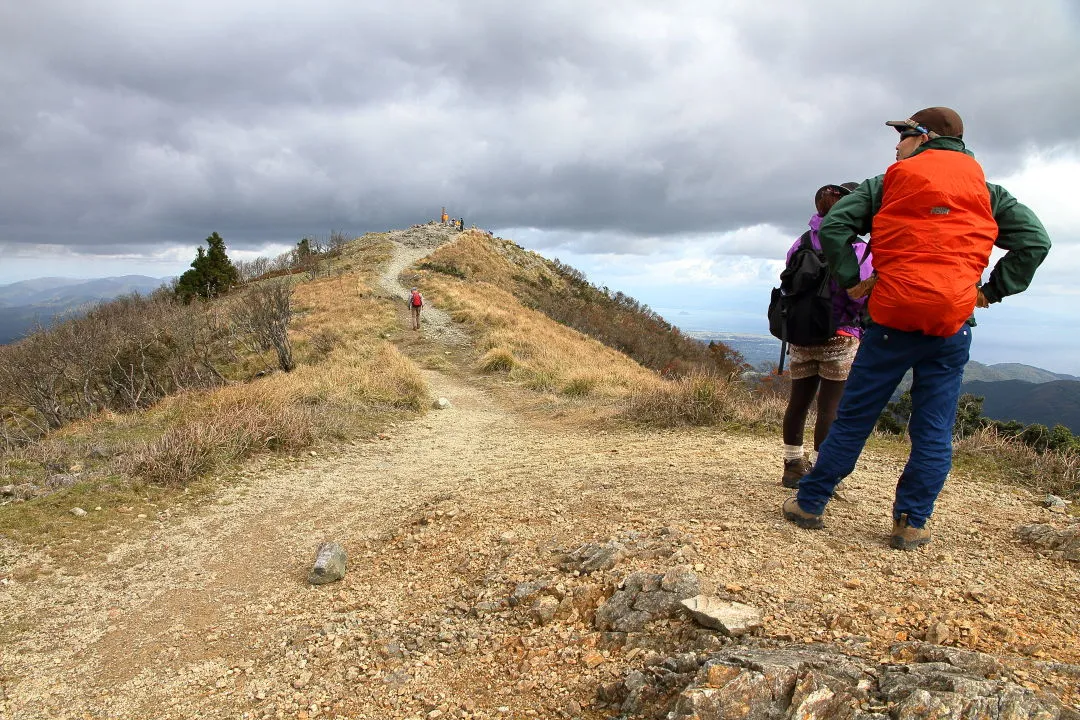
703, 400
350, 380
532, 349
989, 454
475, 256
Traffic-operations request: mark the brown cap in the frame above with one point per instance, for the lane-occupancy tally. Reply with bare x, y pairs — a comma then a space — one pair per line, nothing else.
936, 121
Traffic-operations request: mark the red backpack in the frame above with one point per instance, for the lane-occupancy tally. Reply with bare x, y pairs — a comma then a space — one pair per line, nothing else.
417, 301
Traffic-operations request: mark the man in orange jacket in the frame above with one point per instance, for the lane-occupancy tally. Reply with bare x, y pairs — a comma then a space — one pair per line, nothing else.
933, 221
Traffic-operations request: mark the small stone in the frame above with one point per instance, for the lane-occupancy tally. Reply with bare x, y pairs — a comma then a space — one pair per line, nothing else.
509, 537
544, 609
1053, 501
731, 618
592, 659
78, 512
938, 634
312, 453
441, 404
7, 490
852, 584
329, 564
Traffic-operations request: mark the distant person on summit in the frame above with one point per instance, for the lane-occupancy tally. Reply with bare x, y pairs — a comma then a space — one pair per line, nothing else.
933, 220
416, 304
822, 370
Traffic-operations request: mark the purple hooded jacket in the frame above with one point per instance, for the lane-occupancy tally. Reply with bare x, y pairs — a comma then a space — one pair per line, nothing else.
846, 311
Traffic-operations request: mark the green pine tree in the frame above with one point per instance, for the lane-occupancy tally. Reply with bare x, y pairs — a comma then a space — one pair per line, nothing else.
212, 272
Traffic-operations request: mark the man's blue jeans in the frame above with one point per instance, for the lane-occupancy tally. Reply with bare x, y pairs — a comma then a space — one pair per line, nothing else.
884, 356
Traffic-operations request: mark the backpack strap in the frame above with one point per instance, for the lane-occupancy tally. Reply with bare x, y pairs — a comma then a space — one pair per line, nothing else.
805, 241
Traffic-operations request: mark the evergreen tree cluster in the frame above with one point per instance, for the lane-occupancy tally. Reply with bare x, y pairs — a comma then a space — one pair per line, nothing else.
211, 273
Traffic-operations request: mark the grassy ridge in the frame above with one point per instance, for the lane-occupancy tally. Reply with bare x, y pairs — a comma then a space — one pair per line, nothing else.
350, 380
563, 294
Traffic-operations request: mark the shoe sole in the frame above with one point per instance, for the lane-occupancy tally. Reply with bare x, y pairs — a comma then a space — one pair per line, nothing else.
806, 523
790, 484
897, 543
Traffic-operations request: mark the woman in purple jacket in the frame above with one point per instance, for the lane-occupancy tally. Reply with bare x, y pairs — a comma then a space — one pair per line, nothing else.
822, 370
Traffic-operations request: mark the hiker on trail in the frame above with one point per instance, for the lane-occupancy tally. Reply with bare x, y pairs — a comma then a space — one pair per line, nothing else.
933, 220
822, 369
416, 303
461, 224
445, 219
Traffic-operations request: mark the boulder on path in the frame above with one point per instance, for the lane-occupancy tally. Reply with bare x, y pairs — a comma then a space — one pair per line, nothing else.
731, 618
1046, 537
795, 682
644, 597
592, 557
329, 564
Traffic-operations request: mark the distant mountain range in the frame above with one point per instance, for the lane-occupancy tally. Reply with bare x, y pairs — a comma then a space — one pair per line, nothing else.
25, 305
1047, 403
1010, 391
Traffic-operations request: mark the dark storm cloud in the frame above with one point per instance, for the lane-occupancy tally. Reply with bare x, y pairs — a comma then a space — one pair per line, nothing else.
131, 125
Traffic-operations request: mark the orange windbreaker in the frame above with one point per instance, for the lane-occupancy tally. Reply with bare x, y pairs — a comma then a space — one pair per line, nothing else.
931, 241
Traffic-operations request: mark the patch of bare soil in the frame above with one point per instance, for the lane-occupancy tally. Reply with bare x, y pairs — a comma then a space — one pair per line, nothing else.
208, 614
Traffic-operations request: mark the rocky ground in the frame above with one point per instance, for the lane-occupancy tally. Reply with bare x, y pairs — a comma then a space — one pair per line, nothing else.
508, 562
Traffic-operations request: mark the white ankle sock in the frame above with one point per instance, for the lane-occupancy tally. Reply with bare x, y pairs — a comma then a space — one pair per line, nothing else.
793, 452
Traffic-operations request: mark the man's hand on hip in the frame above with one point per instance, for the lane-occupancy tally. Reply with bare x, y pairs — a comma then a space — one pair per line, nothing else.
862, 289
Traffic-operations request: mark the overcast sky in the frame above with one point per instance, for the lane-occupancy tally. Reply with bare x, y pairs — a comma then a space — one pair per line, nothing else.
670, 150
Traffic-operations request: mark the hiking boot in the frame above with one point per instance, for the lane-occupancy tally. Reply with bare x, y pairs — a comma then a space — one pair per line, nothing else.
906, 537
800, 517
794, 470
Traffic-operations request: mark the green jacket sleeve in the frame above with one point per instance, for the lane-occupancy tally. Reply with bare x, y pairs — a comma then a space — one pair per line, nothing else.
850, 217
1024, 240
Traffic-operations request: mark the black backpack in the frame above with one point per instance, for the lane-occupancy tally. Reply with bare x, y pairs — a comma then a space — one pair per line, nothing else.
800, 311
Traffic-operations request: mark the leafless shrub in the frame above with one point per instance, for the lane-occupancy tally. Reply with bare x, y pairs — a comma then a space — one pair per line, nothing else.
252, 269
232, 429
121, 355
264, 314
337, 239
324, 341
1011, 459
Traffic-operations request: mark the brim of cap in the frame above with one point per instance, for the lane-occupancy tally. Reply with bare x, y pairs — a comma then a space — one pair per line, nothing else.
900, 125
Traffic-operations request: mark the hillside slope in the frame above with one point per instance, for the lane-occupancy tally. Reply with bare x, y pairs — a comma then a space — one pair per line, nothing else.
205, 612
1047, 403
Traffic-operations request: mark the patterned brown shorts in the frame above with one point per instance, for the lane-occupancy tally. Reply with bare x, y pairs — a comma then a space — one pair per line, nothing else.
832, 361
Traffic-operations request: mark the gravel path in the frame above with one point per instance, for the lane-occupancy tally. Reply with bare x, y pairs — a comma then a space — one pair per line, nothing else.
412, 245
207, 613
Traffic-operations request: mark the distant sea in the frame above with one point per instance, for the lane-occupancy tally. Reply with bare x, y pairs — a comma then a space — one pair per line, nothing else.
761, 351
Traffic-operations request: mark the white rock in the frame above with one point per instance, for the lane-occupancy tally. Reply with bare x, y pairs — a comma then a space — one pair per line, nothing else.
441, 404
730, 618
78, 512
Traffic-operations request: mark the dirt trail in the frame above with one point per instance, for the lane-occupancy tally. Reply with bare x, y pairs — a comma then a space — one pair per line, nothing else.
209, 615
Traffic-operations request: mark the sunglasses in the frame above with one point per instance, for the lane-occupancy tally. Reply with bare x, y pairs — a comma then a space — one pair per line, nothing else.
910, 133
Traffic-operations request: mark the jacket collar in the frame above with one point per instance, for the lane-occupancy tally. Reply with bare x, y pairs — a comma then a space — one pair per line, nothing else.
944, 143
